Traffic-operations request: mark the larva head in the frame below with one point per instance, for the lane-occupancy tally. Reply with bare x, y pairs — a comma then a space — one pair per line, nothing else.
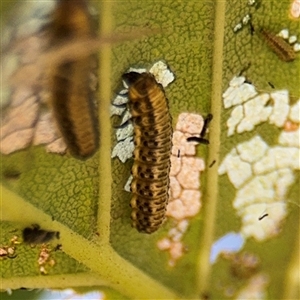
131, 78
140, 83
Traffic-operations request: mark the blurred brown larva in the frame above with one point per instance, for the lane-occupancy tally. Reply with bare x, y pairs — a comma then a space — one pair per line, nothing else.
153, 141
71, 94
279, 46
53, 49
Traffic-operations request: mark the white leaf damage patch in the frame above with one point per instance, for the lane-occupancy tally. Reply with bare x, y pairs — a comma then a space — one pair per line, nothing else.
262, 176
185, 194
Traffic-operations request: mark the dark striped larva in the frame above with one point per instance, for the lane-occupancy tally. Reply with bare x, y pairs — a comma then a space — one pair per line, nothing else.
153, 141
71, 94
35, 235
279, 46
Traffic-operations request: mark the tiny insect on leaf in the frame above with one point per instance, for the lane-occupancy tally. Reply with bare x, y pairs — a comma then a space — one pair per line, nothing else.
35, 235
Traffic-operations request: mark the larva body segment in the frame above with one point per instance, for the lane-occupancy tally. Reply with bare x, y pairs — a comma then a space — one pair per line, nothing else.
151, 155
144, 205
279, 46
153, 141
157, 172
71, 95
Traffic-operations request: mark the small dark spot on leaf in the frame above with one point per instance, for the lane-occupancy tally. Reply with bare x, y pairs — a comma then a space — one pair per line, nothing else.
212, 163
58, 247
260, 218
12, 174
35, 235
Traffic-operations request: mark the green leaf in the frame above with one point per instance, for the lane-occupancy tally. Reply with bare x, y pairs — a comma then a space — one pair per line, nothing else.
85, 200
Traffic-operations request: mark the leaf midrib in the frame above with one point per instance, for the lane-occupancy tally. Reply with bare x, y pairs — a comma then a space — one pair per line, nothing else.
211, 197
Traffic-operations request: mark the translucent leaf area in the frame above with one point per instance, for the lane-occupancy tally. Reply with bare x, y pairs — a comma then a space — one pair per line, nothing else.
249, 188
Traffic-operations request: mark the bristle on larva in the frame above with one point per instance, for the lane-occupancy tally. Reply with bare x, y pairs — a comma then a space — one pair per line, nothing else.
279, 46
71, 96
153, 141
